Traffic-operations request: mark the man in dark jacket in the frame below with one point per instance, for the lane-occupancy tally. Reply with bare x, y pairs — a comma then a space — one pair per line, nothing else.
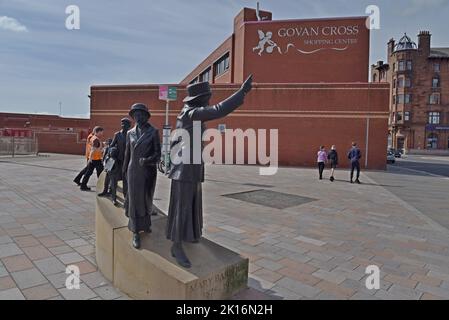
185, 213
118, 147
354, 155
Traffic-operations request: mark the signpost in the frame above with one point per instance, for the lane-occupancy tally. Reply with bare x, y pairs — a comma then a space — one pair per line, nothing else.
167, 93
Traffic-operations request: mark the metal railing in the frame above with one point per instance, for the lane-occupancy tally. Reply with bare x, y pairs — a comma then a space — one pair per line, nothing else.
16, 146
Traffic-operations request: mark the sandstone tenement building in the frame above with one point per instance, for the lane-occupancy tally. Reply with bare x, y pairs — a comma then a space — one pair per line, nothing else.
419, 94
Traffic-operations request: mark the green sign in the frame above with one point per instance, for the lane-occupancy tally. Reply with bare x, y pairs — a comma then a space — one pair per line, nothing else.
172, 93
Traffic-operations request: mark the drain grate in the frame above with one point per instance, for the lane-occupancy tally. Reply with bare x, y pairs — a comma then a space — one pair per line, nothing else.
271, 199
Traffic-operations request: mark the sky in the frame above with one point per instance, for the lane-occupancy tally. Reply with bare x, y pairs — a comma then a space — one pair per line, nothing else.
43, 65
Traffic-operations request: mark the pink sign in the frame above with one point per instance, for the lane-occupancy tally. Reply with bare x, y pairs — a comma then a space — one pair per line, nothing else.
163, 92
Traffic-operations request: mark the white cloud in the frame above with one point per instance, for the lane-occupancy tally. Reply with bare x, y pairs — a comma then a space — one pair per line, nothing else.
11, 24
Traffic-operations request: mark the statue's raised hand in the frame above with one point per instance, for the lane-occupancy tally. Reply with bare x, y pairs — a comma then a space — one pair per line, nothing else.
248, 84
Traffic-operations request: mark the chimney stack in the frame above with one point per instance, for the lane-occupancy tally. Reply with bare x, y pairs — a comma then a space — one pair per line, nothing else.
391, 45
424, 38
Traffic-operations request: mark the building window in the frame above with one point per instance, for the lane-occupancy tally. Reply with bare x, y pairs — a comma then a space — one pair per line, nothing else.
434, 118
401, 65
206, 75
222, 65
394, 82
407, 116
194, 81
399, 118
434, 98
409, 65
408, 82
436, 67
395, 101
403, 98
432, 141
435, 82
404, 82
408, 98
375, 78
394, 67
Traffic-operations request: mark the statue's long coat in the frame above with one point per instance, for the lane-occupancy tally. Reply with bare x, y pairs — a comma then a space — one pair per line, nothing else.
141, 179
185, 213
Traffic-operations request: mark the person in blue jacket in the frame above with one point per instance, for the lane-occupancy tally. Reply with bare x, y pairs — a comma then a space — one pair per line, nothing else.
354, 155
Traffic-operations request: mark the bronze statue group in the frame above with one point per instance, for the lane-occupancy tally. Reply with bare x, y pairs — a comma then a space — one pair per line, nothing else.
133, 156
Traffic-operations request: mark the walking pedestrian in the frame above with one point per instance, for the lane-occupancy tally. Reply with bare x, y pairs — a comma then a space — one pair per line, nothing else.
354, 155
95, 158
80, 175
322, 159
333, 159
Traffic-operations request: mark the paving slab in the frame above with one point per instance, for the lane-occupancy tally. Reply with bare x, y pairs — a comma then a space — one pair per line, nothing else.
303, 236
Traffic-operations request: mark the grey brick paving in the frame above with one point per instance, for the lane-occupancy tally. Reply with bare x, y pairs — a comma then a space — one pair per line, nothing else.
107, 292
94, 280
298, 287
334, 277
28, 278
11, 294
9, 249
311, 241
3, 271
268, 264
318, 250
50, 266
70, 258
84, 293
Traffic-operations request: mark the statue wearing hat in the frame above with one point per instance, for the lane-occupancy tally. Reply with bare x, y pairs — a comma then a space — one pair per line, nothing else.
185, 214
117, 153
142, 153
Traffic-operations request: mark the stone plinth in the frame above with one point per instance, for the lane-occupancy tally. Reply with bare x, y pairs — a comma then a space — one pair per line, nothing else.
151, 272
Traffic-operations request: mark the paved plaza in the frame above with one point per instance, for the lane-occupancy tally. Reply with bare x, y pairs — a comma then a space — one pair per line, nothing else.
306, 239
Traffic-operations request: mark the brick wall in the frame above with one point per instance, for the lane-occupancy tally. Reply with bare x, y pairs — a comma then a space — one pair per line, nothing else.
51, 132
306, 115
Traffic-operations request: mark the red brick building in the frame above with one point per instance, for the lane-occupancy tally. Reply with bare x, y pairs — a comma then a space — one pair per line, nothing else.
419, 94
289, 51
310, 83
53, 134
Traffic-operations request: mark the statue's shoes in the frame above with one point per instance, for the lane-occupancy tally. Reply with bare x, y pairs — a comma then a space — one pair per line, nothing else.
181, 257
103, 195
116, 203
136, 241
